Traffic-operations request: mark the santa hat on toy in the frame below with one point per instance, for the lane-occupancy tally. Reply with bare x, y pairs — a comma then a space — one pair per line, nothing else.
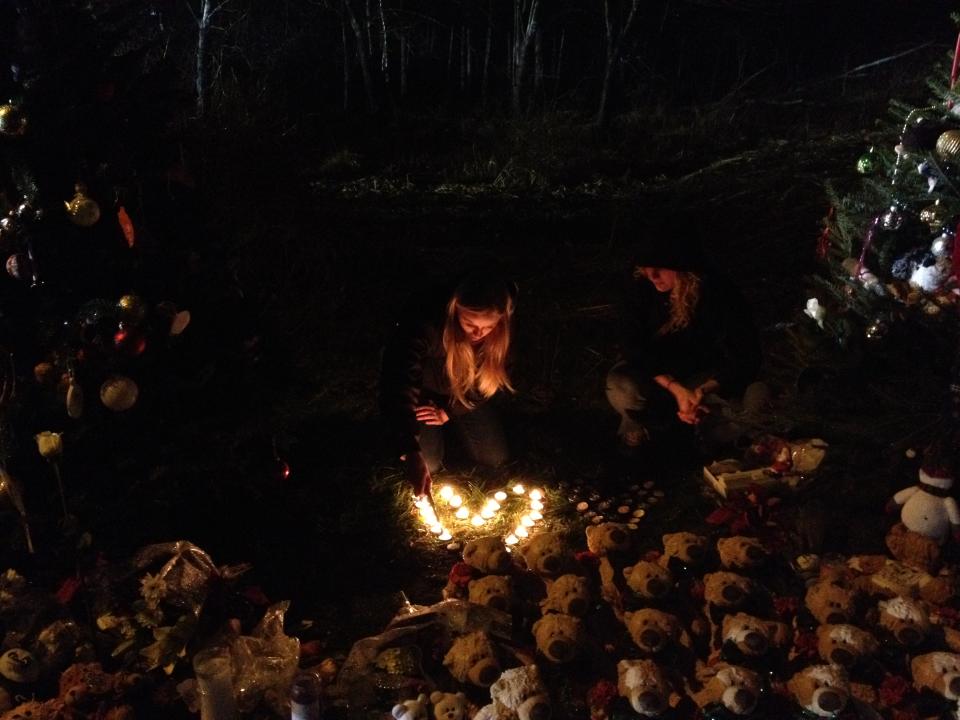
937, 467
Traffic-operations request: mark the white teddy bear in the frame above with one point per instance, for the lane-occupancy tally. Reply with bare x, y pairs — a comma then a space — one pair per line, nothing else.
411, 709
927, 507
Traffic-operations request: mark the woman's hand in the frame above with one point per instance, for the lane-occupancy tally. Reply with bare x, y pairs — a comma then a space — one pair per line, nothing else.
689, 409
431, 415
418, 475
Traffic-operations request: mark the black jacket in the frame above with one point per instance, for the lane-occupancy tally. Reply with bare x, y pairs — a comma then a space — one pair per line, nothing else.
721, 340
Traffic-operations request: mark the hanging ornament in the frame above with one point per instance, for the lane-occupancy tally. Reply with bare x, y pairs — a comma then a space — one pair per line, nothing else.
119, 393
877, 329
18, 266
24, 209
44, 373
82, 209
132, 309
126, 225
921, 130
942, 246
13, 122
892, 218
934, 215
948, 146
129, 341
867, 163
929, 172
174, 321
74, 398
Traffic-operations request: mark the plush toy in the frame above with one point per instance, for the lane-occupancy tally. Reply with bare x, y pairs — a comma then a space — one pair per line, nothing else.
845, 645
906, 620
739, 553
648, 580
415, 709
745, 636
19, 666
823, 690
725, 592
608, 538
558, 636
653, 630
831, 603
645, 687
449, 706
519, 694
57, 645
488, 555
683, 551
472, 659
34, 710
568, 594
732, 687
493, 591
547, 555
86, 684
938, 672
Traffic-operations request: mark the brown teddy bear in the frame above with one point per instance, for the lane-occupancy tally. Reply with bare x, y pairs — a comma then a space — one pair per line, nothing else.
746, 637
823, 690
493, 591
645, 687
845, 645
611, 542
472, 658
547, 555
568, 594
740, 553
449, 706
906, 620
831, 603
938, 672
488, 555
654, 630
519, 694
648, 580
684, 551
735, 688
558, 636
608, 538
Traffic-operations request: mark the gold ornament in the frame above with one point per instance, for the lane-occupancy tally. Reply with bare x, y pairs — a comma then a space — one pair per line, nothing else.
948, 145
82, 209
13, 122
43, 373
119, 393
132, 308
934, 215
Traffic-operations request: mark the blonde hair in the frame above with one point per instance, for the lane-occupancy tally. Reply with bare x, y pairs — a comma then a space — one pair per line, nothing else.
482, 368
683, 300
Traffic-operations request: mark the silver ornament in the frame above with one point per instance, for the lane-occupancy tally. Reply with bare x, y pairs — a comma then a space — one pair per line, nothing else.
877, 330
942, 246
892, 219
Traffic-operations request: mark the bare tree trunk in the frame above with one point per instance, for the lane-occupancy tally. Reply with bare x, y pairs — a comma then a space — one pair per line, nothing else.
525, 26
384, 57
203, 30
403, 65
450, 56
486, 55
557, 65
537, 66
346, 64
469, 60
362, 56
463, 58
614, 49
369, 24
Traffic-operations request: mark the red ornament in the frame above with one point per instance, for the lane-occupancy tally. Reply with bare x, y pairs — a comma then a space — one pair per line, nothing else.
129, 342
126, 224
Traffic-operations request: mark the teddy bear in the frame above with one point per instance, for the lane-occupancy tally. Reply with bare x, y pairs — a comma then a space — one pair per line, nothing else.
938, 672
611, 543
449, 706
547, 555
415, 709
740, 553
518, 694
732, 687
493, 591
19, 666
649, 580
644, 685
608, 538
906, 620
653, 630
845, 645
488, 555
725, 592
745, 637
831, 603
823, 690
472, 658
558, 636
684, 552
35, 710
568, 594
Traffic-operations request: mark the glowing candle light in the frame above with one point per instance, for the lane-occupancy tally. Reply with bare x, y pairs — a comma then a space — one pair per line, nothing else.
477, 521
511, 539
445, 535
446, 492
486, 513
492, 504
500, 495
436, 529
536, 495
536, 505
518, 489
521, 531
536, 515
526, 521
463, 513
456, 501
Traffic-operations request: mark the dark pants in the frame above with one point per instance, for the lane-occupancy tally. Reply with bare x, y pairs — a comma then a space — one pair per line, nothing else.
480, 433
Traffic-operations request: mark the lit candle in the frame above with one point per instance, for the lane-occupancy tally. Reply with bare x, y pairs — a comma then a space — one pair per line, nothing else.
511, 539
493, 505
526, 521
463, 513
445, 535
536, 505
436, 529
536, 495
518, 489
456, 501
500, 495
486, 513
446, 492
521, 531
476, 521
536, 515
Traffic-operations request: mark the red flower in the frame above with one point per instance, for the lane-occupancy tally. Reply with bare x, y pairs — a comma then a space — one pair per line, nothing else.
948, 616
894, 689
461, 574
67, 590
697, 590
602, 694
805, 644
786, 605
255, 595
587, 558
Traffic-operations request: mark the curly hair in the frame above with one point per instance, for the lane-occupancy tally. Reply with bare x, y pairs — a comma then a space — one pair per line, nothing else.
683, 300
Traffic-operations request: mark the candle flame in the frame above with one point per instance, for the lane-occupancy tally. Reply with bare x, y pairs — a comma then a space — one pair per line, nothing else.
518, 489
446, 492
536, 505
463, 513
500, 495
477, 521
536, 495
456, 501
511, 539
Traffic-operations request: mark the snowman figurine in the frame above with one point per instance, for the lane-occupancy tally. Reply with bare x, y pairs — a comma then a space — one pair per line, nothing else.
928, 507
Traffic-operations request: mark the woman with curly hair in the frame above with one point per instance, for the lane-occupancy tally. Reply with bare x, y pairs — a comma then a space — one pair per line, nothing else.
447, 359
689, 341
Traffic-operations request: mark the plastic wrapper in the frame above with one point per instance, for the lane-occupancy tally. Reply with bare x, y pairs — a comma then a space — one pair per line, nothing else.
400, 657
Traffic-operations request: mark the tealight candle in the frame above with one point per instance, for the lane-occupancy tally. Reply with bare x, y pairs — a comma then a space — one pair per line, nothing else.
521, 531
486, 513
511, 539
436, 529
526, 521
500, 495
518, 489
476, 521
536, 515
492, 504
536, 494
446, 492
462, 513
445, 535
536, 505
456, 501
